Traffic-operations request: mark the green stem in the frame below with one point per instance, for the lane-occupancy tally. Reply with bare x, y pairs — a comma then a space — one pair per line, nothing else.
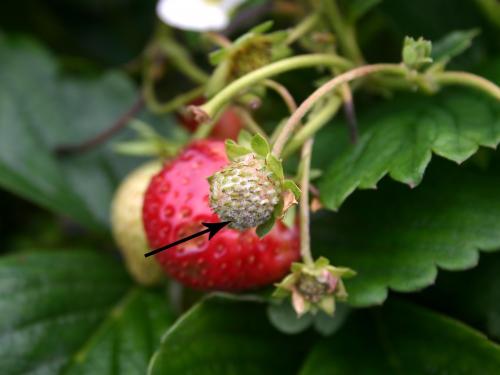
249, 80
490, 9
312, 126
307, 104
344, 32
303, 27
205, 129
160, 108
283, 92
182, 61
305, 237
467, 79
277, 130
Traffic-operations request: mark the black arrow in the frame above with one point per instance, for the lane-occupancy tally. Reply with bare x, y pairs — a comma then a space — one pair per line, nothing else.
213, 228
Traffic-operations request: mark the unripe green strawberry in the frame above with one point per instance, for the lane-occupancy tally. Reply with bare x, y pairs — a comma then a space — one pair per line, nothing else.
251, 191
245, 192
127, 226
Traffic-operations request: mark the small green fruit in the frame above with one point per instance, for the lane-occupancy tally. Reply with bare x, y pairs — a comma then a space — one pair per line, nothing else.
245, 192
127, 226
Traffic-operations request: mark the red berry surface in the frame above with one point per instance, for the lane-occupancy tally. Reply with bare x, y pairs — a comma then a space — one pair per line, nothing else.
175, 205
228, 126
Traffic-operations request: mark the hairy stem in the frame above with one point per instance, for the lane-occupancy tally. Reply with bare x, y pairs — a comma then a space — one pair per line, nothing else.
160, 108
302, 28
283, 92
206, 128
268, 71
307, 104
305, 237
180, 58
467, 79
316, 122
344, 32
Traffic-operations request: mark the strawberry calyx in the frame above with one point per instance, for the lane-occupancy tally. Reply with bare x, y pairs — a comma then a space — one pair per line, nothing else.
314, 287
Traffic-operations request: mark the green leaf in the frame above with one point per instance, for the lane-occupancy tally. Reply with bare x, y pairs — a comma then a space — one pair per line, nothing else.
396, 238
453, 44
404, 339
328, 325
223, 336
275, 166
399, 137
284, 318
260, 145
41, 109
234, 150
75, 312
472, 296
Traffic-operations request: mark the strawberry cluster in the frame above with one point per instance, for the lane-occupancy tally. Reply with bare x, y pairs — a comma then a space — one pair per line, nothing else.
177, 202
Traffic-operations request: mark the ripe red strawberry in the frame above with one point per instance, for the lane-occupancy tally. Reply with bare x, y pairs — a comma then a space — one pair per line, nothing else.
176, 203
228, 126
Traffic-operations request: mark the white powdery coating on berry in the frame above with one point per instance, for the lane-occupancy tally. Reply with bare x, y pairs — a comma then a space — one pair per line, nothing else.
244, 193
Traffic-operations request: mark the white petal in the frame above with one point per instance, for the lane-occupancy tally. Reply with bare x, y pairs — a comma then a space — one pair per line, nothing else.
194, 15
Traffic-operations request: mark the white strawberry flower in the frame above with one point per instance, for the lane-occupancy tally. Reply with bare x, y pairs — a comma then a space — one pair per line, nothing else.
197, 15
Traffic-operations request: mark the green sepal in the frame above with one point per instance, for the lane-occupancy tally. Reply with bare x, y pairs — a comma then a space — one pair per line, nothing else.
289, 218
235, 151
292, 186
275, 166
257, 30
262, 27
260, 145
327, 304
265, 227
416, 52
321, 262
278, 209
245, 139
217, 56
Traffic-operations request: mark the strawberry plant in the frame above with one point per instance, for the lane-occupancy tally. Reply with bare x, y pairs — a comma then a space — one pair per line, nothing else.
344, 150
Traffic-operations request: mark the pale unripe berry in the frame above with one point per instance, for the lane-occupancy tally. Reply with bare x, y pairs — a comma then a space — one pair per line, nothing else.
128, 230
244, 193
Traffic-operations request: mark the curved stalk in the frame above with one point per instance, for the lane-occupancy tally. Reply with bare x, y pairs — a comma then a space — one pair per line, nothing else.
214, 105
283, 92
467, 79
307, 104
160, 108
305, 237
312, 126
